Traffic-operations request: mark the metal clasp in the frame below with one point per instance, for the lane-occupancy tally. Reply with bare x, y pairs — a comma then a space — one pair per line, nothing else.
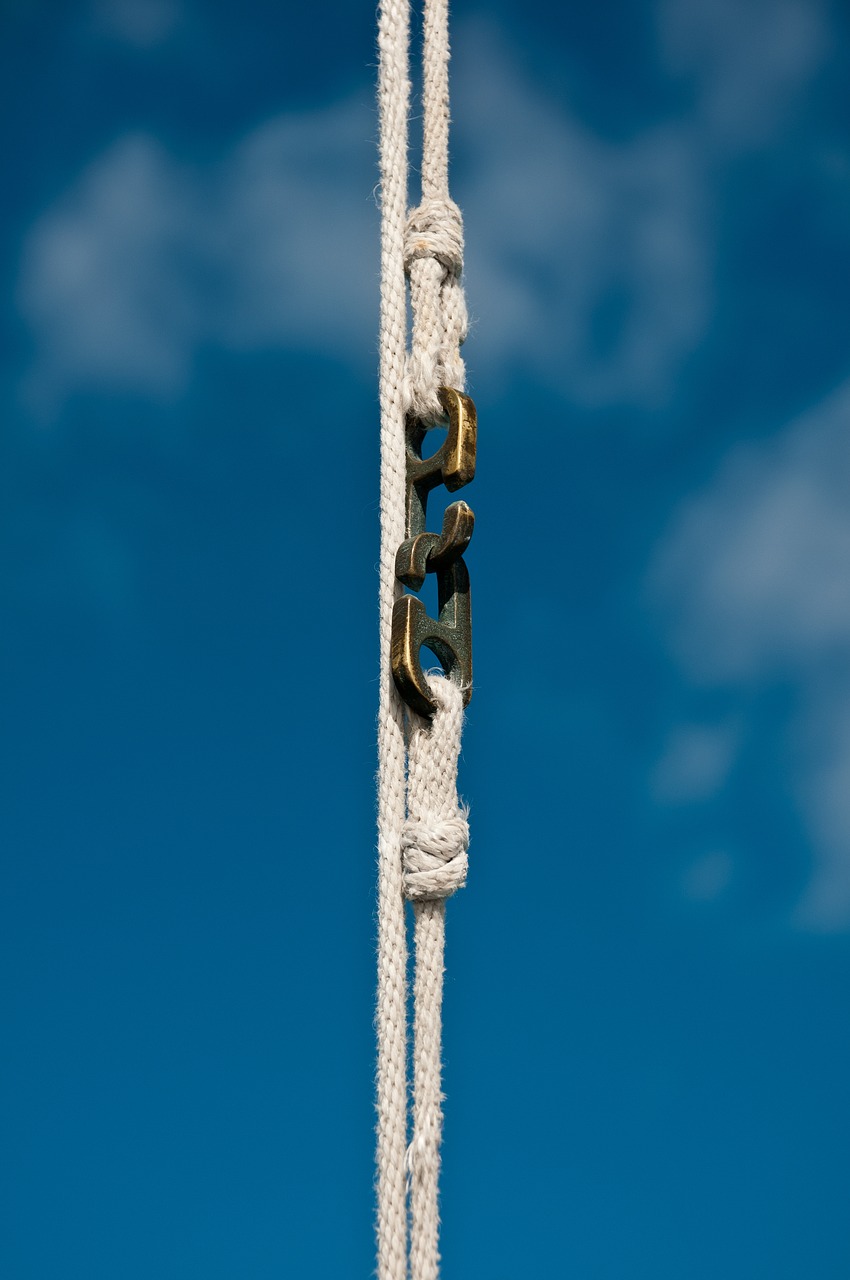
449, 636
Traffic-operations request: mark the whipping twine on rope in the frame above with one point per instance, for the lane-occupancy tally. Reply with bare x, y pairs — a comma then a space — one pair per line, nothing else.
422, 831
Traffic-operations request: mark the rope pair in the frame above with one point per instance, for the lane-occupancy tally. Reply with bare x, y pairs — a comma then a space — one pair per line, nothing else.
422, 832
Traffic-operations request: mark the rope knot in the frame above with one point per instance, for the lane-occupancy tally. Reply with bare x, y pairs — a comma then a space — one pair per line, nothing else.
434, 857
435, 230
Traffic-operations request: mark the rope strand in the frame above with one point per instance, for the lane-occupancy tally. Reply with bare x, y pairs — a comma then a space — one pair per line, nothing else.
394, 92
422, 833
434, 240
435, 841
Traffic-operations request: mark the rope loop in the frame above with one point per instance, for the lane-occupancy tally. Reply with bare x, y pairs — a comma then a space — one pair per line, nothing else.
435, 837
433, 260
435, 230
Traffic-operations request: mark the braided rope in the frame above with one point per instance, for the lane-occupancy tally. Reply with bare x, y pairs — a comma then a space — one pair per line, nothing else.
422, 833
434, 841
434, 240
394, 92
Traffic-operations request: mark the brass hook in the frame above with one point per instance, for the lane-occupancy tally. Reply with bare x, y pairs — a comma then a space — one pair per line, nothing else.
449, 636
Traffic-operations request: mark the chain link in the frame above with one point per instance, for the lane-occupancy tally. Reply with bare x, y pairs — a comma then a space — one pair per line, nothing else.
449, 635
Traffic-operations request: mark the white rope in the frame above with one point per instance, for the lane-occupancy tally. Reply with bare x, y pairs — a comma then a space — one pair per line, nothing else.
433, 250
434, 846
394, 92
423, 838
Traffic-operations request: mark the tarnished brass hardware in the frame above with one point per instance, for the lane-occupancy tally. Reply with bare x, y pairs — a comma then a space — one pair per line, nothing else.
430, 552
449, 638
452, 465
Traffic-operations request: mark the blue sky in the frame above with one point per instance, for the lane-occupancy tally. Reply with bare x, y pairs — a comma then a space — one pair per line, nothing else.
647, 1042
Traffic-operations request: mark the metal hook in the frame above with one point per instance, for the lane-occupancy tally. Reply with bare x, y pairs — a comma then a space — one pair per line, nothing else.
449, 636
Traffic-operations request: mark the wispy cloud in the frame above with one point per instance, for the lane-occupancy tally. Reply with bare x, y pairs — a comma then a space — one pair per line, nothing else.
696, 762
745, 60
106, 279
753, 583
588, 258
755, 569
144, 24
147, 260
594, 260
591, 259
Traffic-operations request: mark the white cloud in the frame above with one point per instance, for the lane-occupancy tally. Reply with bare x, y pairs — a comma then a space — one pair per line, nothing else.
591, 259
696, 762
588, 258
147, 260
104, 281
747, 60
142, 23
298, 234
755, 570
753, 579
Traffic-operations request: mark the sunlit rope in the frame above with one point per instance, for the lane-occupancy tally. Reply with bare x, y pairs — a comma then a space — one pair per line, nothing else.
393, 96
422, 832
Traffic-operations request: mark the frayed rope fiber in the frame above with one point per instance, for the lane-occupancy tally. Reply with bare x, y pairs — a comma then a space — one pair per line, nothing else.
423, 836
435, 837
